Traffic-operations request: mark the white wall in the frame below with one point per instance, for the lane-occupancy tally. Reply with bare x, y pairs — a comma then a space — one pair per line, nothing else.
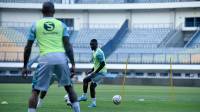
115, 18
79, 17
20, 15
152, 17
182, 13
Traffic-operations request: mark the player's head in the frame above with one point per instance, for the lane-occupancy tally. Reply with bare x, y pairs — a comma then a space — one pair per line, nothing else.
48, 9
93, 44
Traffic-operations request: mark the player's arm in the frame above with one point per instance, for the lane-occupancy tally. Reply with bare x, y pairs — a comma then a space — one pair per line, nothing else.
27, 50
102, 64
70, 53
27, 53
90, 71
68, 48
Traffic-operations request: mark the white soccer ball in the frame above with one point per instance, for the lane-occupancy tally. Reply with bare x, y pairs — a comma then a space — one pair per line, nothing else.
116, 99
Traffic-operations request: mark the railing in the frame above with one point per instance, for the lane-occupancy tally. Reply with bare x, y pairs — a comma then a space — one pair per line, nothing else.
84, 45
195, 45
15, 24
139, 45
152, 25
12, 56
195, 35
12, 44
134, 58
99, 25
170, 36
155, 58
15, 44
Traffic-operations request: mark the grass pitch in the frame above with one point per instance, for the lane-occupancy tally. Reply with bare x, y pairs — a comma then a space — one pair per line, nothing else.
156, 99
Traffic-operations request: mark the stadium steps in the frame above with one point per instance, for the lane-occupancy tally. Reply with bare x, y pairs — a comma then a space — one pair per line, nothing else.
194, 41
165, 41
112, 44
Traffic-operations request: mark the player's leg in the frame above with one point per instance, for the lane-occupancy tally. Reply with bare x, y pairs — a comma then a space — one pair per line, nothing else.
67, 100
63, 75
73, 98
41, 97
41, 80
86, 81
43, 93
96, 79
33, 100
92, 94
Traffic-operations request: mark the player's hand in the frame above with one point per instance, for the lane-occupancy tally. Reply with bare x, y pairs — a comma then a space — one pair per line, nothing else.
25, 72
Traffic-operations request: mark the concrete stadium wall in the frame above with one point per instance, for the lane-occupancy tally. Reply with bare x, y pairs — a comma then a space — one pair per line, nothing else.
20, 15
181, 14
152, 16
154, 81
117, 17
118, 81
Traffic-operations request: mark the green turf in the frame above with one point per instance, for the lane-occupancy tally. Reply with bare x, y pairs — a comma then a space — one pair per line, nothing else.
156, 99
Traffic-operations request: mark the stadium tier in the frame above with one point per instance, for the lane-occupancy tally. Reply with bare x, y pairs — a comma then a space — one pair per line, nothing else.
139, 45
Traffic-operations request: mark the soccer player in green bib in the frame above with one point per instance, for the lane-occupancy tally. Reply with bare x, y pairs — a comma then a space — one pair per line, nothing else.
53, 40
96, 74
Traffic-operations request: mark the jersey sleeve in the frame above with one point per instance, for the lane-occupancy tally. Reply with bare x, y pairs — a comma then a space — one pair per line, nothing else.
32, 32
65, 31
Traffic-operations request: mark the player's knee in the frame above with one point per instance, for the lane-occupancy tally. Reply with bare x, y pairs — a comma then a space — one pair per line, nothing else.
85, 80
35, 92
68, 88
93, 85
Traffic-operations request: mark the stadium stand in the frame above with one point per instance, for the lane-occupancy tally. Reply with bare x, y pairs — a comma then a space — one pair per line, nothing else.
194, 42
145, 38
139, 45
149, 50
85, 35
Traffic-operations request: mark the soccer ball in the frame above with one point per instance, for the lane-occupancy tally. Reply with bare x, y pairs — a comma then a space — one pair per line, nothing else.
116, 99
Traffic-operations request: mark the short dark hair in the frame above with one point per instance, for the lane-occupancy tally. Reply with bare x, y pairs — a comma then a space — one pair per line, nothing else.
94, 40
48, 7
